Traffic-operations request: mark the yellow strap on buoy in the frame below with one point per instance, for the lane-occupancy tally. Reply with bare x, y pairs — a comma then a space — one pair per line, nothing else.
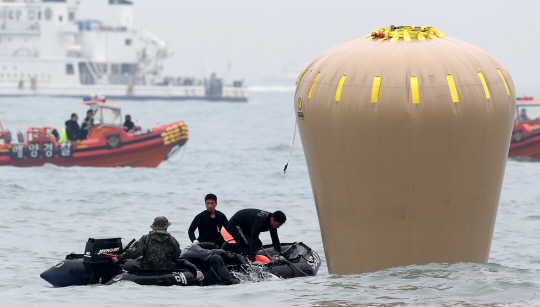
452, 87
299, 77
507, 89
375, 89
486, 89
439, 34
340, 87
313, 84
406, 36
414, 90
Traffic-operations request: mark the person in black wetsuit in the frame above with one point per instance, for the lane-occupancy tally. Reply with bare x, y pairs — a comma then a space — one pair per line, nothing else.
209, 222
128, 124
87, 124
246, 225
72, 128
208, 256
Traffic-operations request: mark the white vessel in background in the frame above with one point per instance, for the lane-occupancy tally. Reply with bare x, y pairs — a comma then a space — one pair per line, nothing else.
46, 50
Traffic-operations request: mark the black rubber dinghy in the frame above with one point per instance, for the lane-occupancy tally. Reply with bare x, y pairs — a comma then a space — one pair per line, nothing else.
96, 267
300, 260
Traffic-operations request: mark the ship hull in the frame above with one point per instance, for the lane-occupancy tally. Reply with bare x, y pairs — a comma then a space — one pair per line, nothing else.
230, 94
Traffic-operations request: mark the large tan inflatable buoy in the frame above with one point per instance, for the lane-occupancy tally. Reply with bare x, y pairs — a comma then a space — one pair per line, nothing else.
406, 134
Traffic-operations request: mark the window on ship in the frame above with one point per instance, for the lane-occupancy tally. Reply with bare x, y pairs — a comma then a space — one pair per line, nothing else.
85, 75
128, 42
115, 69
71, 16
31, 15
69, 69
129, 69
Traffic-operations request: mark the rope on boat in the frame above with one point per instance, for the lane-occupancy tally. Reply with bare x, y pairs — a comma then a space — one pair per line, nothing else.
292, 146
182, 149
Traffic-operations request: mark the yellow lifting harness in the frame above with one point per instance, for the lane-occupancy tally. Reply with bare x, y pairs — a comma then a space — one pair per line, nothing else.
405, 33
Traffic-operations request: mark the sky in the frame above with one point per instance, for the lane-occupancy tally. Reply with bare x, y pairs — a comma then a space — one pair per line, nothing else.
270, 42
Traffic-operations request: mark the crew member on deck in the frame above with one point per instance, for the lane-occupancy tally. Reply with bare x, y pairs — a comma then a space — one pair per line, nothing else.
246, 225
209, 222
128, 124
87, 124
523, 115
72, 131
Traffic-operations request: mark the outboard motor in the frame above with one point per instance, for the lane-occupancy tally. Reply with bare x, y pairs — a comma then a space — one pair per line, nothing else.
20, 137
7, 137
98, 258
92, 267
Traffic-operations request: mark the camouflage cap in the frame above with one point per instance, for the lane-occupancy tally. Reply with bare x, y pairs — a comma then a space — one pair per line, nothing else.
160, 223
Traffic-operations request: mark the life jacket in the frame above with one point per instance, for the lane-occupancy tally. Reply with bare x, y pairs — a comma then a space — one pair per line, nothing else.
89, 124
63, 137
227, 236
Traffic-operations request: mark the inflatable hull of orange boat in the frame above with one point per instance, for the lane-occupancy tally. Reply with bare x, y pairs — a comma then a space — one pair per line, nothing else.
105, 147
525, 140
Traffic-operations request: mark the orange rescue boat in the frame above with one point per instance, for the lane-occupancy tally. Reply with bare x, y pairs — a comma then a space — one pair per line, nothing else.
526, 132
107, 143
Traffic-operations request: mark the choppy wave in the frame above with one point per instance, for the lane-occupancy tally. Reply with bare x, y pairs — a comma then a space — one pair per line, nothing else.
254, 274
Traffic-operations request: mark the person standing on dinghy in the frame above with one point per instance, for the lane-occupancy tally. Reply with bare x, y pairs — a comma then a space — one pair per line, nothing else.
246, 225
158, 248
209, 222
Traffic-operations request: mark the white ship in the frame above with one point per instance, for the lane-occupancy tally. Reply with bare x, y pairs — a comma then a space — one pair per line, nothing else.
46, 50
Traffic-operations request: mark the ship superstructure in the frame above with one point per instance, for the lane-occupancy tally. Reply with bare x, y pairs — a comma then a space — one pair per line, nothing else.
46, 50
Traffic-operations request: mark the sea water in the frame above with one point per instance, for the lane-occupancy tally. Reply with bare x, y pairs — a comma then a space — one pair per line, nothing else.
237, 151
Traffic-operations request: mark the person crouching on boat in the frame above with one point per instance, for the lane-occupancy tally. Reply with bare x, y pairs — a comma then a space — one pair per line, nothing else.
246, 225
159, 249
87, 124
72, 131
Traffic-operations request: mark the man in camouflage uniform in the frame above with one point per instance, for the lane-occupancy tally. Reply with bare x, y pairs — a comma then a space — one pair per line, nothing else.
158, 248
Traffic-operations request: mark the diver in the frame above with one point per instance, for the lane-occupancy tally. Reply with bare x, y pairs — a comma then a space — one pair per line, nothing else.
128, 124
209, 256
246, 225
87, 124
159, 249
72, 130
209, 222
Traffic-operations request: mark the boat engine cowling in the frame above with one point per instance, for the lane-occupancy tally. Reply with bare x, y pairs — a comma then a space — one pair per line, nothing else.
99, 251
98, 258
93, 267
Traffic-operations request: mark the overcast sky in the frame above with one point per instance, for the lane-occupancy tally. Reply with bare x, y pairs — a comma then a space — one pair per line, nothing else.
265, 42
